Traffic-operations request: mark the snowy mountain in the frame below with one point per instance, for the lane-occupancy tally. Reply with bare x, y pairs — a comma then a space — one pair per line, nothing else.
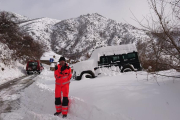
78, 37
83, 34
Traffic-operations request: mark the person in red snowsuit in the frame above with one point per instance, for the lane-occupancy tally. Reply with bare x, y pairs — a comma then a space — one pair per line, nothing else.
62, 75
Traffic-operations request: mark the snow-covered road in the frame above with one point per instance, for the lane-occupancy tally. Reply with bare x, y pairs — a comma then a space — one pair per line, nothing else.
10, 93
110, 96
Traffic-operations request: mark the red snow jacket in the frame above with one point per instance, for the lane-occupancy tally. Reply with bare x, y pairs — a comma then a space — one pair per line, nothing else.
63, 74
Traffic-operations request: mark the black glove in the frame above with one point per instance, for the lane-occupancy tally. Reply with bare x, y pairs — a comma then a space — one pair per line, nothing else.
56, 67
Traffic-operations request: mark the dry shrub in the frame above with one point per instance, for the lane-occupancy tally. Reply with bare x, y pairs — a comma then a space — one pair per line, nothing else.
21, 43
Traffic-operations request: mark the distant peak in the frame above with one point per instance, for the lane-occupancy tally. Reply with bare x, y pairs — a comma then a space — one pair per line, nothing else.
96, 14
93, 15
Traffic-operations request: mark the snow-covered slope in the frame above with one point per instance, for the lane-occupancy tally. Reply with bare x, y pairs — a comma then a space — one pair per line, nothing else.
18, 18
21, 18
40, 29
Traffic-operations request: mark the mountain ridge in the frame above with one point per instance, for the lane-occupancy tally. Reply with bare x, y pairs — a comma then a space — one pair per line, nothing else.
85, 33
78, 37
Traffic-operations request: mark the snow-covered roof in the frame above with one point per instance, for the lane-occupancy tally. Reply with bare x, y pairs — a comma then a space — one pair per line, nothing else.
111, 50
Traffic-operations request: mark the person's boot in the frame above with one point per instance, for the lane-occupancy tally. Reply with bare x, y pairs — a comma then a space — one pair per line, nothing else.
64, 116
57, 113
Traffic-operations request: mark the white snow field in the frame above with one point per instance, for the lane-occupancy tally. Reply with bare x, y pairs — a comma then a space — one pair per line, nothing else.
11, 72
110, 96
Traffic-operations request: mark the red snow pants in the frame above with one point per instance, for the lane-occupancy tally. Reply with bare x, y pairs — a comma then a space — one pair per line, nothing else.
62, 103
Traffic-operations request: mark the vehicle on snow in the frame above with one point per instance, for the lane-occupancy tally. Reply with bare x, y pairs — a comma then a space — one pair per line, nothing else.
123, 56
34, 66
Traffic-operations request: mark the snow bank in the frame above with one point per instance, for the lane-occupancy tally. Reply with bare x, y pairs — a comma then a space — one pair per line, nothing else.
11, 72
12, 69
111, 71
127, 96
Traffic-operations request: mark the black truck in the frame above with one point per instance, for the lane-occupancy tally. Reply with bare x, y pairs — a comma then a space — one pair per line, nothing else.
126, 62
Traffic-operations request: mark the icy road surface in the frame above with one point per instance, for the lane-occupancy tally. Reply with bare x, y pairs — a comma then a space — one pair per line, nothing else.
10, 93
110, 96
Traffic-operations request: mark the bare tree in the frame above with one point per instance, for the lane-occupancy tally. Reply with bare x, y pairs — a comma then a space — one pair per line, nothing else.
163, 27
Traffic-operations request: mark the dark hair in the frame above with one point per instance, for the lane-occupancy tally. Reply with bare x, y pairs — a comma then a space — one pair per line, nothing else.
62, 59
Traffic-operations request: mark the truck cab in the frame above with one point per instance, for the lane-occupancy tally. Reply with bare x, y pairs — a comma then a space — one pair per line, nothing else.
121, 60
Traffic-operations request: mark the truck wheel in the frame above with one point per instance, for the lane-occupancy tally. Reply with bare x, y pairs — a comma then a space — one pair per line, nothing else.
127, 68
28, 73
87, 74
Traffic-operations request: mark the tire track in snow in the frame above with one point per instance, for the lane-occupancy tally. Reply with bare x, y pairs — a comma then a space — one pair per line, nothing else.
10, 92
